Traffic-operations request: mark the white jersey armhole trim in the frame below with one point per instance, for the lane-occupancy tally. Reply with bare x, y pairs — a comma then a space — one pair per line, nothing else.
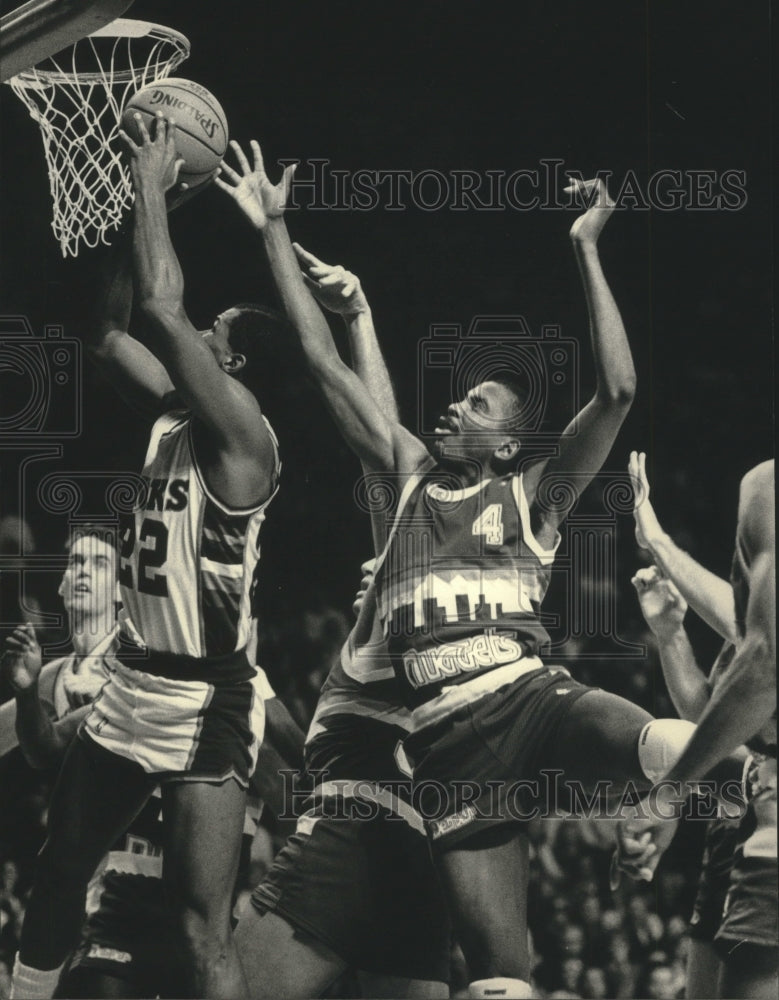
235, 511
414, 479
545, 556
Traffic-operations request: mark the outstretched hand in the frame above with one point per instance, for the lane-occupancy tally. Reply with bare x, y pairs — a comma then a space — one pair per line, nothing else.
254, 194
331, 285
153, 159
22, 661
599, 206
647, 525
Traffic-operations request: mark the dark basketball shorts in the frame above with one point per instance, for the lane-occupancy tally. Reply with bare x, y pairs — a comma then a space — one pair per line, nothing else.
129, 937
719, 854
751, 911
366, 888
183, 728
482, 765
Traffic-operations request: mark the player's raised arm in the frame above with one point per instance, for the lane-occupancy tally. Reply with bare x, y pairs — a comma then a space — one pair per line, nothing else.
341, 292
131, 368
664, 608
201, 376
707, 594
587, 442
379, 442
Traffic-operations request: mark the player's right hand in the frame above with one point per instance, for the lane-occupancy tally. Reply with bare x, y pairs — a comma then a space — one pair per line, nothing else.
662, 605
598, 207
331, 285
22, 661
252, 191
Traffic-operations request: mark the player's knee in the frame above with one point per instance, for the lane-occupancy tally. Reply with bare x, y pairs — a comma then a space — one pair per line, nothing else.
661, 744
204, 934
61, 868
494, 959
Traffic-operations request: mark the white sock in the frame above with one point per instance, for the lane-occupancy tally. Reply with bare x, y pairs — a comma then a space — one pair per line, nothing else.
660, 745
33, 984
516, 989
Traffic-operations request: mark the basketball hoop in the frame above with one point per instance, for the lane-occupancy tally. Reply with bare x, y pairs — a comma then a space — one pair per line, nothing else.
77, 97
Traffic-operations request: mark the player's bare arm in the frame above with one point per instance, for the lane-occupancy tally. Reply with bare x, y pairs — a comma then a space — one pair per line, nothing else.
236, 450
707, 594
664, 609
744, 699
378, 442
139, 378
341, 292
587, 441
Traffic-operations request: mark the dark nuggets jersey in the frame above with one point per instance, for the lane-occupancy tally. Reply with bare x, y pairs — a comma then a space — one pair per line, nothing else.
187, 560
461, 582
360, 719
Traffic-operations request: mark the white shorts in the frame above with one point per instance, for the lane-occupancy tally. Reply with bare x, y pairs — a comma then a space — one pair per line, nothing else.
181, 729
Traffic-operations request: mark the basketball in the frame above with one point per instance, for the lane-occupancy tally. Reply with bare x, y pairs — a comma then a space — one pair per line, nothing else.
201, 126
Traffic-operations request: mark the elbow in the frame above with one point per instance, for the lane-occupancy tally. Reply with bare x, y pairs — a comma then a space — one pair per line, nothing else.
160, 308
619, 396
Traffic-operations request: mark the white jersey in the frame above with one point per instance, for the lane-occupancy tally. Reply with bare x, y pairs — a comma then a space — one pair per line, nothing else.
187, 559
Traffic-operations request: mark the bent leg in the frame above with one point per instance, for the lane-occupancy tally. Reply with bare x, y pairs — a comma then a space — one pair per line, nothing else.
485, 879
97, 796
202, 826
280, 962
597, 740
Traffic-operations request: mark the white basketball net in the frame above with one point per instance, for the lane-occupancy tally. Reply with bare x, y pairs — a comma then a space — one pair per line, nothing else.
77, 98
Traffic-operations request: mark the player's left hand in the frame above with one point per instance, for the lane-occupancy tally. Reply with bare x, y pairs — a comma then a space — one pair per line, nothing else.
254, 194
331, 285
153, 159
22, 661
641, 842
647, 526
599, 206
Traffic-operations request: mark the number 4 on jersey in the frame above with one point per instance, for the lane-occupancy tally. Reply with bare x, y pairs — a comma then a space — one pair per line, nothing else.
490, 524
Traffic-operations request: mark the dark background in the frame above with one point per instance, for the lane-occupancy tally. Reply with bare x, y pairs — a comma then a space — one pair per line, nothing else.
486, 86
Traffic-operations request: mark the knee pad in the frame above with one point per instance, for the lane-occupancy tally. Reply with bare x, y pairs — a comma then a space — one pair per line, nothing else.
660, 744
516, 989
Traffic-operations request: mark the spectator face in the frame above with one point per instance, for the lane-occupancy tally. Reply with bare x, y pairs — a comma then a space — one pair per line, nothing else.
610, 920
10, 876
573, 941
570, 973
661, 985
619, 949
88, 587
590, 911
594, 984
